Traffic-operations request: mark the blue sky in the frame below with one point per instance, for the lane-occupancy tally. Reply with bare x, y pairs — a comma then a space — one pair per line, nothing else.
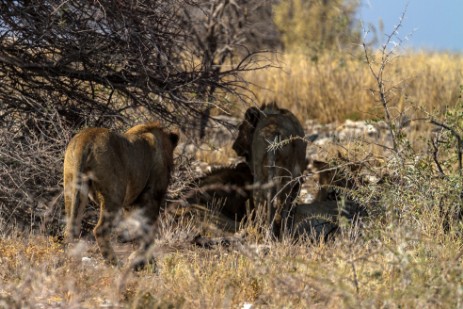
435, 25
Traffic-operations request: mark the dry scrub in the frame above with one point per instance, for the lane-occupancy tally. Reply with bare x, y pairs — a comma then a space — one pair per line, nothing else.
337, 87
395, 267
406, 254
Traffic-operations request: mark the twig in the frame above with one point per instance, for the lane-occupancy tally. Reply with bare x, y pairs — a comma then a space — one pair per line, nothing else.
379, 77
435, 157
458, 138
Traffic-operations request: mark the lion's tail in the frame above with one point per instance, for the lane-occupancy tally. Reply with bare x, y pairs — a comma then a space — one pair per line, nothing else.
78, 197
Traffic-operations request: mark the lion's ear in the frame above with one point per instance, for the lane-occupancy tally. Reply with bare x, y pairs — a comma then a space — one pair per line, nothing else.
252, 116
320, 165
173, 137
273, 104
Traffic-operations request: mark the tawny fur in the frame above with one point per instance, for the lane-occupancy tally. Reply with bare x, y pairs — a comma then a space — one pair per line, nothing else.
117, 171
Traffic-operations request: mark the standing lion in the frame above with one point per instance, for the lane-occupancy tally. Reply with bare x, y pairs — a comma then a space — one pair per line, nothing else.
117, 171
276, 170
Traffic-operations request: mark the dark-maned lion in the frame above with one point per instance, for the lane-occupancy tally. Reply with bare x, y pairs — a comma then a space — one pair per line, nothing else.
117, 171
275, 171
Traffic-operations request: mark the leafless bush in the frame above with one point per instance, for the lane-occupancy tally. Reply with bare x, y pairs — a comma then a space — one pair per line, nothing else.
65, 65
30, 174
418, 183
103, 61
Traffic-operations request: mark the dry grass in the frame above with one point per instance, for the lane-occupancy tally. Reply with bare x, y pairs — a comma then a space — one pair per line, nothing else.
403, 258
333, 88
395, 268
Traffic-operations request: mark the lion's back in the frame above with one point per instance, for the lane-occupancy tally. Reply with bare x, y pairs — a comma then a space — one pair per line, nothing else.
95, 149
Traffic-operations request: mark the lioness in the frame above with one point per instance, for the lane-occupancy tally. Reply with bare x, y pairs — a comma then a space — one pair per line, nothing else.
220, 201
226, 188
117, 171
275, 171
336, 180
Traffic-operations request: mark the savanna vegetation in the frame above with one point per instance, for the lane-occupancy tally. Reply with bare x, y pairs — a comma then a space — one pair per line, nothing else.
66, 66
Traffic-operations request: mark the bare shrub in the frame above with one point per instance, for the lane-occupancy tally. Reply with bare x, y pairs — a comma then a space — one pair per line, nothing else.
31, 174
110, 64
107, 60
420, 192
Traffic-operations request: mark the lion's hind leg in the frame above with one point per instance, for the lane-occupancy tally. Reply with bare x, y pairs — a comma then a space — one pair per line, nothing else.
76, 190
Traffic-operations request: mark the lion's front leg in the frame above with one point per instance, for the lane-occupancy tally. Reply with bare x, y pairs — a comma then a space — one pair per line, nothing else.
151, 213
289, 210
151, 206
102, 231
275, 210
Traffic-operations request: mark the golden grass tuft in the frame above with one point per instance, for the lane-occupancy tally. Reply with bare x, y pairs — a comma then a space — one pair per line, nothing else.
337, 87
395, 268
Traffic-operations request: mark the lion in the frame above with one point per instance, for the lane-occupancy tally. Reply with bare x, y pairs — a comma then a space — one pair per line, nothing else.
338, 182
118, 171
318, 220
276, 171
226, 188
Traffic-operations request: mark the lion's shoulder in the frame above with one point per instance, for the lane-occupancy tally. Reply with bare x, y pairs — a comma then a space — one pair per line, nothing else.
143, 128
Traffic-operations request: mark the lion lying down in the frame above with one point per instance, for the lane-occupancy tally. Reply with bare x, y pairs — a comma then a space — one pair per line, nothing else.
117, 171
